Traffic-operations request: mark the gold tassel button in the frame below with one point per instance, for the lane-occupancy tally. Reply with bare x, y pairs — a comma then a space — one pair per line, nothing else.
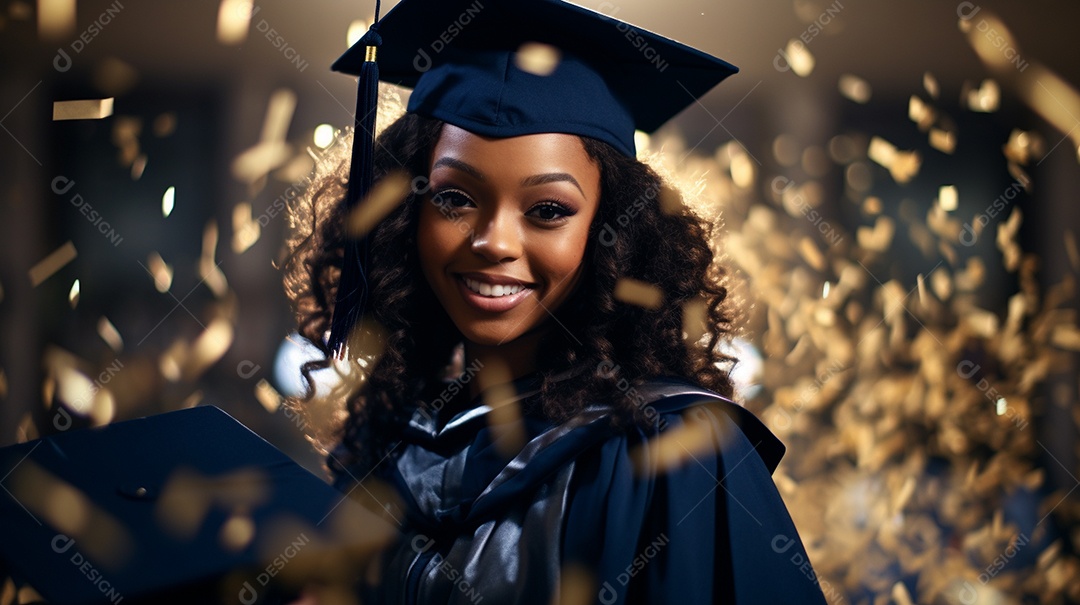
369, 56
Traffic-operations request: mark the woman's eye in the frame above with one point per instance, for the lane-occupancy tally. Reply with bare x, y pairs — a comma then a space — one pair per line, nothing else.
551, 212
451, 198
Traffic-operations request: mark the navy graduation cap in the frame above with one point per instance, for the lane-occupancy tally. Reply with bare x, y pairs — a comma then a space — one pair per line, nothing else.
184, 507
461, 57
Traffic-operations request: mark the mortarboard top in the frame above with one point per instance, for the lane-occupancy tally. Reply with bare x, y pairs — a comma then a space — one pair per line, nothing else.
458, 55
187, 506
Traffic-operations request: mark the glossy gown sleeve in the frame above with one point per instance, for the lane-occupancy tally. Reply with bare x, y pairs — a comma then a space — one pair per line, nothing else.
713, 526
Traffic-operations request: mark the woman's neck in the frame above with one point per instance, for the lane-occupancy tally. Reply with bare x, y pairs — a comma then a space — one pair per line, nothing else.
502, 362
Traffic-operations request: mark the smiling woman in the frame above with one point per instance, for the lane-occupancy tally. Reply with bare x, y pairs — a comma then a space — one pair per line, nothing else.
596, 456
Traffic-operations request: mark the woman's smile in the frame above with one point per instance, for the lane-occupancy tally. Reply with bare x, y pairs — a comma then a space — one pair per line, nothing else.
502, 235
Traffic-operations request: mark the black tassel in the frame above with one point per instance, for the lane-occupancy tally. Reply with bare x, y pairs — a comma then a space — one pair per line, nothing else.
352, 293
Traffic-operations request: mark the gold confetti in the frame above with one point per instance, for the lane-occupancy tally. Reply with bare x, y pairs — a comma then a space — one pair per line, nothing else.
246, 231
138, 167
115, 77
811, 254
73, 294
209, 347
507, 428
267, 396
695, 436
1071, 250
878, 238
108, 332
577, 586
90, 109
930, 83
69, 510
921, 113
237, 533
695, 319
537, 59
948, 199
56, 19
986, 98
799, 58
855, 88
209, 271
942, 140
165, 124
385, 195
168, 201
52, 263
160, 271
234, 21
637, 292
903, 165
271, 151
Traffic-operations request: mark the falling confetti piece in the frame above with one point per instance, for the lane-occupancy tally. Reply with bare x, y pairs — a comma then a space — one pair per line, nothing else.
948, 198
855, 88
138, 167
160, 271
271, 151
234, 21
942, 140
637, 292
115, 77
903, 165
165, 124
246, 231
385, 195
986, 98
108, 332
52, 263
90, 109
69, 510
267, 396
930, 83
56, 19
879, 237
921, 113
209, 347
73, 294
209, 270
168, 200
799, 58
695, 319
1072, 250
537, 59
508, 430
237, 533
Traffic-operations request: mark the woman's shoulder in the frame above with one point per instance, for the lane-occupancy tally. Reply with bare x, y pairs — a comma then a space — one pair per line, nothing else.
675, 403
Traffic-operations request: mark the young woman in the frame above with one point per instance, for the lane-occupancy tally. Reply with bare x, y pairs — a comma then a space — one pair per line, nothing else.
538, 433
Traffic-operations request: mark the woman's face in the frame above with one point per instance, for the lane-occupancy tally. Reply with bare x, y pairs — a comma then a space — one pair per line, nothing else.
503, 233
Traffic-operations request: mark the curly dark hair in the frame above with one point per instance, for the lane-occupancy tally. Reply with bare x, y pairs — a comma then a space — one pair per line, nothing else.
641, 230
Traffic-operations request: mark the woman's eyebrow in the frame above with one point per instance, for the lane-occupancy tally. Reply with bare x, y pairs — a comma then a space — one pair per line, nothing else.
551, 177
459, 165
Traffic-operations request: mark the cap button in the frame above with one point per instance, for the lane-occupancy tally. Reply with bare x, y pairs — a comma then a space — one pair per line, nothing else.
136, 491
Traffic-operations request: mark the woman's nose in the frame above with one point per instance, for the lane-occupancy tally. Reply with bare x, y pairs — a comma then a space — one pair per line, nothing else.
498, 237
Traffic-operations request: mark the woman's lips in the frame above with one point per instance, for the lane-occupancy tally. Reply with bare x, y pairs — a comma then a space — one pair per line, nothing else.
492, 304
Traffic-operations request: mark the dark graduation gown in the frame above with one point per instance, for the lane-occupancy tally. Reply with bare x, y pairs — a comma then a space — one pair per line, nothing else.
483, 529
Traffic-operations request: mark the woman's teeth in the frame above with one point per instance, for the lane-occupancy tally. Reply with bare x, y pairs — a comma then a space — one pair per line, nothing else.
493, 291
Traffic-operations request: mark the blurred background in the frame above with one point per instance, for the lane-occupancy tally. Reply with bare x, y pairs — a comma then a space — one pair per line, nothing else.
894, 184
